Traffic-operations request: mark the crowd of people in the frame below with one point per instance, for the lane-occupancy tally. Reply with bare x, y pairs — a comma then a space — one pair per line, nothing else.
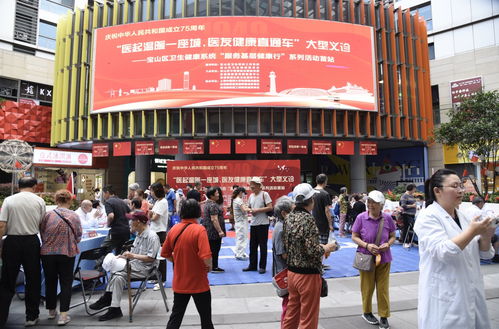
188, 230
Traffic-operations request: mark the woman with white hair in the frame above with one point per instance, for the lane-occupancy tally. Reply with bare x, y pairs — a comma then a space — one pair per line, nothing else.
304, 259
364, 234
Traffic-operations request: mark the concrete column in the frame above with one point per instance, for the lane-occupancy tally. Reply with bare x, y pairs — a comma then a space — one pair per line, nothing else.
143, 171
358, 179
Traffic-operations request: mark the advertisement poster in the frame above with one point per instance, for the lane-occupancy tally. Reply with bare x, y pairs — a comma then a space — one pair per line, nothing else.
322, 147
297, 146
368, 148
46, 156
271, 146
234, 61
279, 177
464, 88
144, 148
193, 146
100, 150
168, 147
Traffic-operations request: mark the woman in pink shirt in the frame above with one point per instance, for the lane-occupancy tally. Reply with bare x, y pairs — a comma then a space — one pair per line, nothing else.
60, 231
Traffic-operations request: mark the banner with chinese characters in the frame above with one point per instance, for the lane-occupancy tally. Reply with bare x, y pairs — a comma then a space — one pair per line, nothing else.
461, 89
100, 150
56, 157
168, 147
193, 146
368, 148
271, 146
322, 147
297, 146
144, 148
278, 176
234, 61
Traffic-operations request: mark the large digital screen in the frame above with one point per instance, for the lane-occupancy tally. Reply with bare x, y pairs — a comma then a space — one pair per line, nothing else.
234, 61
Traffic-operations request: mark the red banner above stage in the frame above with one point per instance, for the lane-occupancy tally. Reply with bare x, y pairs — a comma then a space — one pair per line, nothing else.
122, 149
271, 146
100, 150
368, 148
322, 147
345, 148
193, 146
297, 146
220, 146
278, 176
245, 146
168, 147
144, 148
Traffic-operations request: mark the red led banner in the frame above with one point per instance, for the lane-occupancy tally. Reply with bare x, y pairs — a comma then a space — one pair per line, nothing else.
297, 146
220, 146
245, 146
144, 148
368, 148
100, 150
271, 146
193, 146
278, 176
168, 147
345, 148
234, 61
322, 147
122, 149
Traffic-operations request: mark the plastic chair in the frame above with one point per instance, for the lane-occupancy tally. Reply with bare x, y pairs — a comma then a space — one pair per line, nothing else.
89, 276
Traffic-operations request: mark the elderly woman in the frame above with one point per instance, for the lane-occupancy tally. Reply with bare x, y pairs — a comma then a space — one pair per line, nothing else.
60, 231
364, 232
304, 259
451, 293
282, 209
213, 221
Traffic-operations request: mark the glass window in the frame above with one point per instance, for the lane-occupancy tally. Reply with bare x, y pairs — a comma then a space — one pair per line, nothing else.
328, 122
226, 120
351, 123
143, 11
340, 129
174, 122
250, 7
162, 122
131, 11
278, 120
431, 51
104, 125
202, 7
425, 11
166, 9
316, 122
46, 35
150, 123
276, 7
265, 121
8, 87
287, 10
154, 10
186, 121
362, 123
137, 123
214, 8
226, 7
264, 8
435, 101
238, 8
56, 7
239, 121
190, 6
373, 125
126, 124
299, 8
199, 118
252, 120
213, 121
303, 122
178, 8
115, 125
290, 121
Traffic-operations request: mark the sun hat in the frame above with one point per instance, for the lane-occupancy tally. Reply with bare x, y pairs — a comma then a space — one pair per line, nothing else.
256, 180
304, 189
376, 196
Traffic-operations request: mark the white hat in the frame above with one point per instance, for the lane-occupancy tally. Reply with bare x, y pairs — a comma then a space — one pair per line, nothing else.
133, 186
256, 180
304, 189
113, 264
376, 196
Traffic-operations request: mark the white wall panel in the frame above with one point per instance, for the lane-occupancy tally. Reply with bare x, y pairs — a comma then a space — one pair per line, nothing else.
463, 39
461, 12
481, 9
483, 34
7, 14
444, 45
442, 14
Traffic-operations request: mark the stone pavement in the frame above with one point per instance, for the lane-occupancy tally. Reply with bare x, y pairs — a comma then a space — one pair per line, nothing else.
256, 306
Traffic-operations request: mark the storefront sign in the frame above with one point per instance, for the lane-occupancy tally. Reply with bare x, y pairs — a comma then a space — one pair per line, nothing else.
144, 148
322, 147
36, 90
234, 61
245, 146
464, 88
56, 157
278, 176
159, 164
368, 148
297, 146
168, 147
345, 148
100, 150
122, 149
193, 146
220, 146
271, 146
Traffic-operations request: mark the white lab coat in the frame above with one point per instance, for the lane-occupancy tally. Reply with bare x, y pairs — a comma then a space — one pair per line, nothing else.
451, 293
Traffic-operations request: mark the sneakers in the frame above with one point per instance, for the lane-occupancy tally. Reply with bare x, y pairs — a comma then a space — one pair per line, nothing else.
262, 271
52, 314
407, 245
112, 313
63, 320
217, 270
156, 287
102, 302
249, 269
370, 318
31, 323
383, 323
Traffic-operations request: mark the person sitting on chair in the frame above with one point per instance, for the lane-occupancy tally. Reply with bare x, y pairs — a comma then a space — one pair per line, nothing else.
142, 259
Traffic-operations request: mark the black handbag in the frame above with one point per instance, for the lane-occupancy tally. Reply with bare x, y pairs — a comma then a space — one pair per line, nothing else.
324, 288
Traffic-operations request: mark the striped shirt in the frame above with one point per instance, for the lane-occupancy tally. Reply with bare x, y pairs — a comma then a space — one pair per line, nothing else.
57, 236
146, 243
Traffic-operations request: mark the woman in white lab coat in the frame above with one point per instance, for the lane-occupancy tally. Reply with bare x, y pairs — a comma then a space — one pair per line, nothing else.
451, 293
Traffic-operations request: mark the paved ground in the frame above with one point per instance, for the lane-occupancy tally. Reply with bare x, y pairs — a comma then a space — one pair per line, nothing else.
256, 306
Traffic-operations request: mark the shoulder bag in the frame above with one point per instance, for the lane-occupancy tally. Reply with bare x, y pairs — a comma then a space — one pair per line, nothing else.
67, 222
364, 262
268, 213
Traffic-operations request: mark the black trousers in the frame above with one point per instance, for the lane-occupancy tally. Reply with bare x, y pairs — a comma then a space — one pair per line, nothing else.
203, 305
20, 250
408, 221
215, 246
162, 263
58, 269
259, 236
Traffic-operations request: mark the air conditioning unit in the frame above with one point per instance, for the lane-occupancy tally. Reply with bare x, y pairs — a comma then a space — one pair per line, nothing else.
23, 36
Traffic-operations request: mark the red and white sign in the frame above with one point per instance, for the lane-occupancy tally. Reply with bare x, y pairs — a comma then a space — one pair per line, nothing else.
460, 89
368, 148
55, 157
297, 146
100, 150
193, 146
168, 147
322, 147
144, 148
245, 146
278, 176
234, 61
271, 146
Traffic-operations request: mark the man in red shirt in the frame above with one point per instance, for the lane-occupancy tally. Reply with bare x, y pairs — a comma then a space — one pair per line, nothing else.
187, 247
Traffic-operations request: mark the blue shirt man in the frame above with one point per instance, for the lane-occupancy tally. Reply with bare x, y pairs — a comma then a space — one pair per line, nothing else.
170, 197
